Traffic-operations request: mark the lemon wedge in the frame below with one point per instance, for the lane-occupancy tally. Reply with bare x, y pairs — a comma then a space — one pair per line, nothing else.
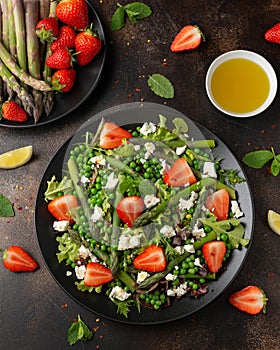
15, 158
273, 220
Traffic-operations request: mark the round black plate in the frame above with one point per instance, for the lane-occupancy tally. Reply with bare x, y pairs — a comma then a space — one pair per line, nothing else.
125, 115
86, 81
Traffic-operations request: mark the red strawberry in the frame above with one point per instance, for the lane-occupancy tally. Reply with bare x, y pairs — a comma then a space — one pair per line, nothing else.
60, 59
16, 259
152, 259
97, 274
218, 204
273, 34
60, 206
13, 112
188, 38
66, 38
214, 253
47, 29
111, 135
73, 13
129, 208
87, 45
250, 299
180, 174
63, 79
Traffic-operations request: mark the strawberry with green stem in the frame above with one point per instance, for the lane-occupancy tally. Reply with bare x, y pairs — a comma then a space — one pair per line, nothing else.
47, 29
88, 45
60, 59
63, 80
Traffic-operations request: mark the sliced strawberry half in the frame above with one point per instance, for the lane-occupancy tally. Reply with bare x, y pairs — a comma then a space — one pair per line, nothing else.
60, 206
16, 259
180, 174
218, 204
112, 135
250, 299
152, 259
97, 274
213, 253
188, 38
129, 208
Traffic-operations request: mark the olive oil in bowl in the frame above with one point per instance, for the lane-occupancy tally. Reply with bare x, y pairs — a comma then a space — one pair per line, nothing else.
241, 83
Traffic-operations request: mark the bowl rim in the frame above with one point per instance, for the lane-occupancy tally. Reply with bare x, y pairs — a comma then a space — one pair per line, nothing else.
252, 56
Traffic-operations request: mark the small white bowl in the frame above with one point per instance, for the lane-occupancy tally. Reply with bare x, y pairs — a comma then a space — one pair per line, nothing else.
252, 56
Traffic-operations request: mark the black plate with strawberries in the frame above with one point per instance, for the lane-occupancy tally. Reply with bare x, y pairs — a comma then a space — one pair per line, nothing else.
100, 303
87, 78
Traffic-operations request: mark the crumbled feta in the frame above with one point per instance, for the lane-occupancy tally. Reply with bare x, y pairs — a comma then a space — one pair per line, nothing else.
80, 271
61, 226
112, 181
197, 262
180, 150
119, 293
164, 165
167, 231
179, 249
150, 200
150, 147
141, 276
128, 242
170, 277
147, 128
137, 148
98, 214
98, 160
209, 170
68, 273
198, 232
189, 248
181, 289
237, 213
142, 160
170, 293
84, 179
189, 203
83, 252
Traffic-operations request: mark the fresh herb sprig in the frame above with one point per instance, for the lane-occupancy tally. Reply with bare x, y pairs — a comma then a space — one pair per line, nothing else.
134, 11
79, 331
258, 159
6, 208
161, 86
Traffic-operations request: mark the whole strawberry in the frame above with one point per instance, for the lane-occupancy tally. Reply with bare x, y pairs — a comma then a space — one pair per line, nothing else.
47, 29
66, 38
273, 34
63, 79
88, 45
73, 12
13, 112
60, 59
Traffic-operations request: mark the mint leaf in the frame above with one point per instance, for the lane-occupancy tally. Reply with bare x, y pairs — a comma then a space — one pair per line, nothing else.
138, 10
6, 208
78, 331
257, 159
117, 20
275, 167
161, 86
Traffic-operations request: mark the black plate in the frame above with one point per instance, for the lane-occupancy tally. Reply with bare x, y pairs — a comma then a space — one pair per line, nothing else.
86, 81
125, 115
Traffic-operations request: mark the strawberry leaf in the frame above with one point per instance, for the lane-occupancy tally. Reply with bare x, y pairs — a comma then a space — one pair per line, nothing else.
6, 208
161, 86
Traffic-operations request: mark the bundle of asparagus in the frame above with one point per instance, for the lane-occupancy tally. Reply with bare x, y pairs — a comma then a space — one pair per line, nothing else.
23, 74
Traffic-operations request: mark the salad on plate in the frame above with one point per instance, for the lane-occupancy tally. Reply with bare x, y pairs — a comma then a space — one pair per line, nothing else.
145, 215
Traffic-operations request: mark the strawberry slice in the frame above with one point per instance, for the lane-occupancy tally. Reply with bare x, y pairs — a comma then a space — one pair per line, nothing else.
180, 174
218, 204
213, 253
129, 208
16, 259
188, 38
60, 207
112, 135
250, 299
97, 274
152, 259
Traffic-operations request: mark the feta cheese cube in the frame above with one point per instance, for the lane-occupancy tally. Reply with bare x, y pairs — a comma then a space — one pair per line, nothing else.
209, 170
147, 128
119, 293
150, 200
237, 213
80, 271
141, 276
98, 214
167, 231
61, 226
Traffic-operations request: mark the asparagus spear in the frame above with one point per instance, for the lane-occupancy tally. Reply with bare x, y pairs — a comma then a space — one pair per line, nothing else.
11, 24
10, 80
21, 73
5, 24
20, 33
33, 59
44, 6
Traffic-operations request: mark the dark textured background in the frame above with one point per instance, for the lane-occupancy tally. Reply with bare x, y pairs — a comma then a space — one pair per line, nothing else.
33, 311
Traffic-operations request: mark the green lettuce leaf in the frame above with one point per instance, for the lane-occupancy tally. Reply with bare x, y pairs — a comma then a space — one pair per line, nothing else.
55, 187
68, 249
